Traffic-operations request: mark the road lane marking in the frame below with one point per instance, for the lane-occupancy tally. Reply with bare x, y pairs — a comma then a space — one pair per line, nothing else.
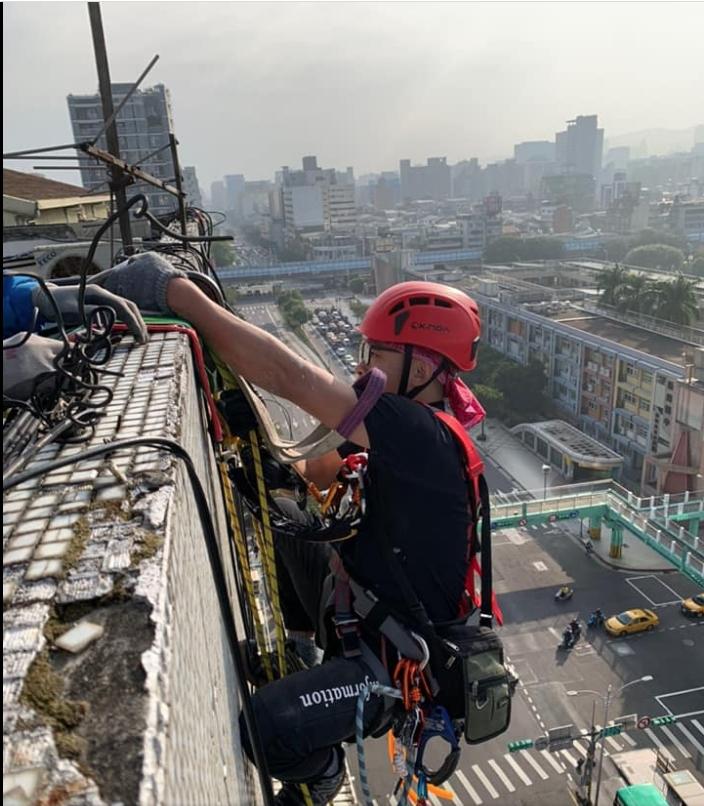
519, 772
434, 799
555, 633
579, 748
628, 739
691, 738
557, 766
470, 789
698, 726
502, 775
569, 757
678, 744
529, 758
616, 746
487, 783
455, 796
657, 741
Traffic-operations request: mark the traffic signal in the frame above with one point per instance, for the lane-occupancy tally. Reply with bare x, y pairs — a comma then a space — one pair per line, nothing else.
521, 744
663, 720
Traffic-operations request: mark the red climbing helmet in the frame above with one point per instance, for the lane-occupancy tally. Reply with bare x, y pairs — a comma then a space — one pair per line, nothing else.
430, 315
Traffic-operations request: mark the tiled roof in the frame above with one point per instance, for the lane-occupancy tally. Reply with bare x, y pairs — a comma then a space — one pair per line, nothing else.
37, 188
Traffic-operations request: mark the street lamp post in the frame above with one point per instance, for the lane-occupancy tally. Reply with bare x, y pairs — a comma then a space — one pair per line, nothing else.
546, 470
607, 701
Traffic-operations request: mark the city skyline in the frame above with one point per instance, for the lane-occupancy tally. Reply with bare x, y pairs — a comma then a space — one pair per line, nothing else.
367, 103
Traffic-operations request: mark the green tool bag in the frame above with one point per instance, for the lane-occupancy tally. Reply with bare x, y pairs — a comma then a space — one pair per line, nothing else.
474, 683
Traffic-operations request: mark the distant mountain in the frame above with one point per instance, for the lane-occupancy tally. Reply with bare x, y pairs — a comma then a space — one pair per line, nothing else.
653, 142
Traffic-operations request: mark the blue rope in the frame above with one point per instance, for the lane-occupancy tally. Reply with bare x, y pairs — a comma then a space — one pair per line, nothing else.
364, 693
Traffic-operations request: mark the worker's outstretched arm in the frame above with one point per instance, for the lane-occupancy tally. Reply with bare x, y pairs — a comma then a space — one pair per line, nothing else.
264, 360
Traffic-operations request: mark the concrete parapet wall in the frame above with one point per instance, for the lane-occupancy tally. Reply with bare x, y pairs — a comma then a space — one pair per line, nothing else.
147, 711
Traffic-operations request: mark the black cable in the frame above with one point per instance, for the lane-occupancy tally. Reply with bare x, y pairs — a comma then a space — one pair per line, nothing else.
215, 564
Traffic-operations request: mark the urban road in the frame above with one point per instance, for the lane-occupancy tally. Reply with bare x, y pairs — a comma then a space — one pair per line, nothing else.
530, 564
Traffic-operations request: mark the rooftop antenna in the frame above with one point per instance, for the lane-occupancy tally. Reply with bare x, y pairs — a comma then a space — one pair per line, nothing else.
118, 181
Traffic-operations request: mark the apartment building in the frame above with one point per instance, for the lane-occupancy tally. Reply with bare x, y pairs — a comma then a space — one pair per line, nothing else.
317, 199
621, 384
143, 127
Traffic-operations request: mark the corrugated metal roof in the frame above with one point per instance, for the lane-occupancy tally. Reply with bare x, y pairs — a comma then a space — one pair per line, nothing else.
36, 187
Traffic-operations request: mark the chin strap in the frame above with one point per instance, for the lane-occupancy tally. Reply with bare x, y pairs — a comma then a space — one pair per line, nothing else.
406, 371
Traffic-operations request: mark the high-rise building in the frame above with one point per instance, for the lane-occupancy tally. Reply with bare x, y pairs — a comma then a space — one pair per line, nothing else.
579, 148
534, 151
191, 187
234, 188
143, 128
218, 196
317, 199
430, 181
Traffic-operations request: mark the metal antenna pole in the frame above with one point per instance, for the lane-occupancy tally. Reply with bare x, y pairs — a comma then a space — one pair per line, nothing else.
173, 143
117, 183
601, 752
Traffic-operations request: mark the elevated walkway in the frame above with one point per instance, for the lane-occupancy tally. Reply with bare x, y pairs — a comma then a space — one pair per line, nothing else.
649, 519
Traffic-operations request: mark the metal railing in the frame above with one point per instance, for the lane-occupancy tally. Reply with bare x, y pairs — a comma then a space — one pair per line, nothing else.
687, 333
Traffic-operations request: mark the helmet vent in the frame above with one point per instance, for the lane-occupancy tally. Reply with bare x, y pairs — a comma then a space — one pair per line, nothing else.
442, 303
397, 307
419, 301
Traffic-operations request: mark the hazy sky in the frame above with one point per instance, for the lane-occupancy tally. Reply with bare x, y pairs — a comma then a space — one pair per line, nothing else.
258, 85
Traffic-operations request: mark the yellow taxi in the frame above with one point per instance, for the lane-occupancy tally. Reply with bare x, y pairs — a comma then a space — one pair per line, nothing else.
694, 606
631, 621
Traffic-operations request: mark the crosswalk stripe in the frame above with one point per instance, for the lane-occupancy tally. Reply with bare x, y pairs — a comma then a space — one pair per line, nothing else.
487, 783
455, 797
656, 740
502, 775
691, 738
569, 757
678, 744
628, 739
579, 748
614, 744
462, 778
434, 799
519, 772
696, 724
534, 764
555, 764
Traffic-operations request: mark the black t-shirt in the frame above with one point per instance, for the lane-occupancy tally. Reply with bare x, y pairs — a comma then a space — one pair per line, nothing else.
417, 494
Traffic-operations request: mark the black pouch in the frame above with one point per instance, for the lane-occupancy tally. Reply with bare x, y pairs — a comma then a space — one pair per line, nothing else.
475, 686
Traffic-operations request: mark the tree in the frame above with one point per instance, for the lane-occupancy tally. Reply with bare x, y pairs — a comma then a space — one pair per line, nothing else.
656, 256
617, 248
676, 301
610, 282
637, 293
490, 398
508, 250
696, 266
356, 285
222, 253
648, 237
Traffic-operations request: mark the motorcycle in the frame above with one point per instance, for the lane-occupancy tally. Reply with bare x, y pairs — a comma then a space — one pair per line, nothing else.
568, 639
589, 547
561, 596
596, 619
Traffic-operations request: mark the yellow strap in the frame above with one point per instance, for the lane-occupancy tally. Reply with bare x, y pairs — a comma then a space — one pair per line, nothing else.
266, 548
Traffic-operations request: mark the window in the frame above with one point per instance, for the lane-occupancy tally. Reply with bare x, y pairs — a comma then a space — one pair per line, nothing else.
646, 377
643, 405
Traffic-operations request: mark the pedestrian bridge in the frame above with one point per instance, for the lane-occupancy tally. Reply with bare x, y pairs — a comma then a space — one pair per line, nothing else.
572, 247
669, 524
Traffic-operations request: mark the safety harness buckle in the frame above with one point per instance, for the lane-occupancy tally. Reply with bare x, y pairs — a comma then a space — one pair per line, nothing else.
347, 630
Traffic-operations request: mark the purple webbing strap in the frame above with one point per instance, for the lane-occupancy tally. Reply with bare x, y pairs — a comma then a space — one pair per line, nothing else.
372, 386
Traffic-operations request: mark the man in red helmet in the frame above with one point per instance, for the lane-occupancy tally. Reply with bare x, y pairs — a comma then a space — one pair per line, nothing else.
416, 337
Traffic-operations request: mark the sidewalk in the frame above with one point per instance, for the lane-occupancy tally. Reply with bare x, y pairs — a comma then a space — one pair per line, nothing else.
526, 470
514, 458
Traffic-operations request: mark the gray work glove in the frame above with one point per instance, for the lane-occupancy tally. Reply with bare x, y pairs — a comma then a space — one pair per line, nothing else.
142, 278
23, 365
66, 297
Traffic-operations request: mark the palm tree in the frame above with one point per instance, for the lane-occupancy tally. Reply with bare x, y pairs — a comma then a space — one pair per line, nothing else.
610, 282
637, 294
676, 301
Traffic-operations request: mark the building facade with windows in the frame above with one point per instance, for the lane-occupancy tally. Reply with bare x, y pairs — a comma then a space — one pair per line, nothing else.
631, 394
143, 128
